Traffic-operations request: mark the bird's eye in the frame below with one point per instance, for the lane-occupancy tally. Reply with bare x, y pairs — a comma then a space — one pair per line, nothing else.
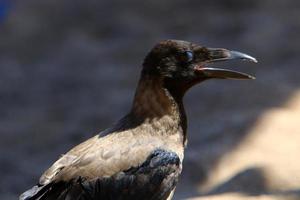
189, 56
185, 56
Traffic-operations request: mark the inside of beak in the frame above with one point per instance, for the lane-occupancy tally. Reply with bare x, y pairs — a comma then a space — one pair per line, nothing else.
224, 73
217, 55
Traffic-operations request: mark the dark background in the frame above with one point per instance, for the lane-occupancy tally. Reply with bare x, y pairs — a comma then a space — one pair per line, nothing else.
69, 68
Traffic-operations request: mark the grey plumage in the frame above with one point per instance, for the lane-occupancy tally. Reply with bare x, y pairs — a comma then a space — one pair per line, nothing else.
140, 157
147, 181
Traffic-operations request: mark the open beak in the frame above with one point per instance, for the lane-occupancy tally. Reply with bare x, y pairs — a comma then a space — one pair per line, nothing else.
217, 55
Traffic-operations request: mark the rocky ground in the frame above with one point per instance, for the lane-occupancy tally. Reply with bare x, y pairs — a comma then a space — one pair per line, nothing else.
68, 69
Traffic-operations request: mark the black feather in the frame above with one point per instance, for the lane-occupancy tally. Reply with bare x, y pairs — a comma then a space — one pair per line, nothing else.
152, 180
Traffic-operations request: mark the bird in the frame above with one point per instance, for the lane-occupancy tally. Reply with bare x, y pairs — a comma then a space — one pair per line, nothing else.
141, 155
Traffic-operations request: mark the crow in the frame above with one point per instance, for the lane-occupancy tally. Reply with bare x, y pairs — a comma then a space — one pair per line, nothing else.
140, 156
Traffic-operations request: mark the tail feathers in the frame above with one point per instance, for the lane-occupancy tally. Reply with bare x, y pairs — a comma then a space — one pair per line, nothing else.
36, 192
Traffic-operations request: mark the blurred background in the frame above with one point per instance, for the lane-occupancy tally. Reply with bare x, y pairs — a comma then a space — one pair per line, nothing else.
68, 69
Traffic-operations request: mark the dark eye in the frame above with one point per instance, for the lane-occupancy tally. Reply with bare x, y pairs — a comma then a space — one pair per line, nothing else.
189, 56
186, 56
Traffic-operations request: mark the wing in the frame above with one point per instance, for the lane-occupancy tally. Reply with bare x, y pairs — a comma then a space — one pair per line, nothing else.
154, 179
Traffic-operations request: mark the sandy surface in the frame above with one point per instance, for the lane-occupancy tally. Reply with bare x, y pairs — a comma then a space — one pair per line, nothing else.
232, 196
271, 150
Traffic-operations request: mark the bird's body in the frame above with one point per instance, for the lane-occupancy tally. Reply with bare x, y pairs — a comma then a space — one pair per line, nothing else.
140, 157
150, 127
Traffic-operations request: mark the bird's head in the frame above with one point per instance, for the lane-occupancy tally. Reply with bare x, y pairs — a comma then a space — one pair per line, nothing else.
182, 64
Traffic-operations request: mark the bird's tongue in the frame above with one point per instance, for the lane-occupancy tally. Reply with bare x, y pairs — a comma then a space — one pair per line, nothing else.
219, 73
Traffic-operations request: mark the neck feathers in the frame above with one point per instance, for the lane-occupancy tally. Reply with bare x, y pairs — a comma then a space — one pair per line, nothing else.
154, 104
152, 100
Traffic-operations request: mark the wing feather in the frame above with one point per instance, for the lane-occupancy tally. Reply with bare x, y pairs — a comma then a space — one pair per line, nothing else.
154, 179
